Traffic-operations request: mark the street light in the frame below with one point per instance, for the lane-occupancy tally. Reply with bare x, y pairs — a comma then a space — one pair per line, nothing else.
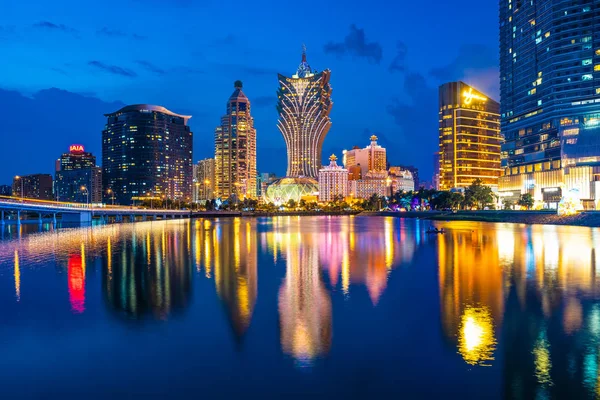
21, 179
110, 191
206, 183
87, 192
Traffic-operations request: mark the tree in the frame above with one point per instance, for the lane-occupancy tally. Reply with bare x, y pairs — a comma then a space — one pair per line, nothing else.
507, 204
447, 200
478, 195
291, 203
526, 201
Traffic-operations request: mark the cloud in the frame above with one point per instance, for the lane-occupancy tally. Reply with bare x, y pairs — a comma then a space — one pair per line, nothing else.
355, 44
417, 120
148, 66
55, 27
397, 64
263, 101
470, 56
111, 32
105, 31
113, 69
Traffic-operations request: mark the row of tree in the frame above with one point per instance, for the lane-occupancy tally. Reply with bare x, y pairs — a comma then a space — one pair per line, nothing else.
476, 196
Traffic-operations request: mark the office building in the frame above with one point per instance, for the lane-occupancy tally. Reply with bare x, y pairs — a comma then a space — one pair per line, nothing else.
76, 158
77, 178
235, 149
204, 180
147, 152
5, 190
469, 137
36, 186
333, 181
304, 104
550, 97
263, 180
372, 158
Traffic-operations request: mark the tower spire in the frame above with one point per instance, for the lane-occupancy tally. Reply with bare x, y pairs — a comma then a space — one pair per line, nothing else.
303, 53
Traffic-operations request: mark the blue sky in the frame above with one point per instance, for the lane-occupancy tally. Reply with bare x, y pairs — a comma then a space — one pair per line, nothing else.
387, 59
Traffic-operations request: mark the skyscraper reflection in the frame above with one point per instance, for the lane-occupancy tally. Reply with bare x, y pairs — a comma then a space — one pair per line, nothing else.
235, 270
304, 303
149, 272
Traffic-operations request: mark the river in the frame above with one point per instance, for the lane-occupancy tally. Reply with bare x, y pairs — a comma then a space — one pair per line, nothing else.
354, 307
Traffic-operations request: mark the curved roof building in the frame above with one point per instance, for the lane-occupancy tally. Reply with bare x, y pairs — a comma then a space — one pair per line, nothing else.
304, 104
147, 152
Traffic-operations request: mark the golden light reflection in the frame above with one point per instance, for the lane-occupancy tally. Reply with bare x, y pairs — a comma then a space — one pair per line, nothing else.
476, 340
17, 277
543, 364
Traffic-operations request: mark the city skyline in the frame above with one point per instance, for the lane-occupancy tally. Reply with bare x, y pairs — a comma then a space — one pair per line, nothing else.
401, 77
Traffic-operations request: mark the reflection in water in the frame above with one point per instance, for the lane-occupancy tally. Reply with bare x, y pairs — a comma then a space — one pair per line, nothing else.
304, 303
235, 268
17, 274
476, 341
521, 300
76, 278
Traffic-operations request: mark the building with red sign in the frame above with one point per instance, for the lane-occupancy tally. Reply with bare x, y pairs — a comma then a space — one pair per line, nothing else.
78, 178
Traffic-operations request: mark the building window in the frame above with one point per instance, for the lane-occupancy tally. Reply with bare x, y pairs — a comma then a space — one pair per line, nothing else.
587, 61
587, 77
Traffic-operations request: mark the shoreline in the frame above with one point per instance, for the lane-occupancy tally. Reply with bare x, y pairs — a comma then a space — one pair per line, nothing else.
585, 218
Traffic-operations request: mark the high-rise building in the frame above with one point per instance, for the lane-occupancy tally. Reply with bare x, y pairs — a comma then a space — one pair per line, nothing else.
5, 190
372, 158
304, 104
265, 180
76, 158
147, 152
550, 97
77, 178
333, 181
235, 149
204, 180
469, 137
36, 186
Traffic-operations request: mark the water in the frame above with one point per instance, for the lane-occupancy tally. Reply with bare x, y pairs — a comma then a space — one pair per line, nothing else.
313, 306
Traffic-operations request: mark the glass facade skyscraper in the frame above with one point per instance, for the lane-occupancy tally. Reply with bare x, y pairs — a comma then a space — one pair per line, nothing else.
304, 104
469, 137
235, 149
550, 99
147, 152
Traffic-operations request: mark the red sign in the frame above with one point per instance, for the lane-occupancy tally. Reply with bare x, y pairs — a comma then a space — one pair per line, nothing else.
76, 148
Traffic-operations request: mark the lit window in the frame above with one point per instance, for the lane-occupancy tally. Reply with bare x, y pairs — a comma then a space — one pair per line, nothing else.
587, 61
597, 67
587, 77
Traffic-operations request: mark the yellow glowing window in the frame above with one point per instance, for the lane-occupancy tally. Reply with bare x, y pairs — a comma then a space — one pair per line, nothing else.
597, 67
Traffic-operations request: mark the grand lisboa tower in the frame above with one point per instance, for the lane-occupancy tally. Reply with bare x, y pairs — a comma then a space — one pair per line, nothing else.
304, 104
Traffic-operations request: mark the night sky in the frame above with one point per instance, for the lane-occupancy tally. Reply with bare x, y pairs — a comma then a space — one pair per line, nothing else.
65, 63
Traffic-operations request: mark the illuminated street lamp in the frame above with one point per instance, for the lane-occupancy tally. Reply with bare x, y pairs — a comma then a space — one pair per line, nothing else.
87, 192
110, 191
21, 179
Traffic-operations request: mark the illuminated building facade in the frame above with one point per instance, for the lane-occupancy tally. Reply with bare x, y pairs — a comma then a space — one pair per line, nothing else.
401, 180
373, 183
469, 137
204, 180
5, 190
235, 149
78, 179
372, 158
147, 151
550, 96
36, 186
304, 104
333, 181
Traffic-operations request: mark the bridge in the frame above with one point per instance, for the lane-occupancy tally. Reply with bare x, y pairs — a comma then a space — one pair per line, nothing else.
14, 208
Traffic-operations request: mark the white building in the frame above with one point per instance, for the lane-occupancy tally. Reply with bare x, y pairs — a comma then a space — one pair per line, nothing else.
402, 180
333, 181
204, 180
